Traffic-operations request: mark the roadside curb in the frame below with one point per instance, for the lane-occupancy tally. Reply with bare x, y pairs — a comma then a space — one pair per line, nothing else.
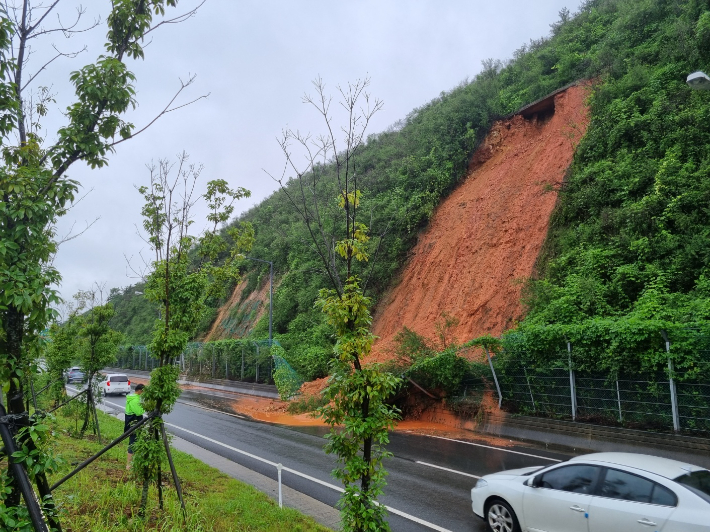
557, 434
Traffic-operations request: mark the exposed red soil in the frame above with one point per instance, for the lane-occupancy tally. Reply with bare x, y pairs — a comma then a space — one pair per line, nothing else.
218, 331
483, 240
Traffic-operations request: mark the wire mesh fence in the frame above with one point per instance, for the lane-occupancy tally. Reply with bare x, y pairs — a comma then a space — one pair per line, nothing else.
234, 360
640, 401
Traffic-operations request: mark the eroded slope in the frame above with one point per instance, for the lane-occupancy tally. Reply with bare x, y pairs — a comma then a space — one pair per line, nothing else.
484, 239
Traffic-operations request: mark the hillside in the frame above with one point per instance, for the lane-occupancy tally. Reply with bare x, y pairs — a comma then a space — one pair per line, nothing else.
484, 239
617, 242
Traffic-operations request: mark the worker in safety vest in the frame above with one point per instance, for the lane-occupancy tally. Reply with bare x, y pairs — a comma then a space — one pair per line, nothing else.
134, 413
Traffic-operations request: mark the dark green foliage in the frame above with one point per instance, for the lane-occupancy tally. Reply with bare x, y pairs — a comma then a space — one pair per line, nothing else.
405, 172
444, 371
627, 254
134, 314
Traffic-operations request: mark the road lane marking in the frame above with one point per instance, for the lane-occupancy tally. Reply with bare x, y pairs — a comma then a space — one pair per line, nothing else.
446, 469
312, 479
190, 404
497, 448
212, 409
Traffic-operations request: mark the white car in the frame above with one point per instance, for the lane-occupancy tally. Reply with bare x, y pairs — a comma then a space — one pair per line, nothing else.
602, 492
116, 383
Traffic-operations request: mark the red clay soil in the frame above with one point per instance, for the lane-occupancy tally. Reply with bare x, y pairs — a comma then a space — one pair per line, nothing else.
484, 239
218, 331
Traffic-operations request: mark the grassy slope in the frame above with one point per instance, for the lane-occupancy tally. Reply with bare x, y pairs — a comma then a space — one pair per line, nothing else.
104, 497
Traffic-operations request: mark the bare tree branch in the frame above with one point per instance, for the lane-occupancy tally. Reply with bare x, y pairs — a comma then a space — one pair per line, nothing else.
70, 55
167, 109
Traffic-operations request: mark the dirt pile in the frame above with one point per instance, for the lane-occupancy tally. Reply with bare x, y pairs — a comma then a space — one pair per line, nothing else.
484, 239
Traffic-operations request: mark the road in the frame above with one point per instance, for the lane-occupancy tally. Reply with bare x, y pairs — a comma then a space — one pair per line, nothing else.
429, 482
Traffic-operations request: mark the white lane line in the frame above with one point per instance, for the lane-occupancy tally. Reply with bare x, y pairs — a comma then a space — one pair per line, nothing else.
189, 404
446, 469
497, 448
211, 409
308, 477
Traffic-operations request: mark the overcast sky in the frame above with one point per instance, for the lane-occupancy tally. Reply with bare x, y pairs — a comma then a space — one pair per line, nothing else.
256, 58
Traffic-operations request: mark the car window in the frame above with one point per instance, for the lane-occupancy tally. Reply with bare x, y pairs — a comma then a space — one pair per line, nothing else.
574, 478
663, 496
629, 487
119, 378
698, 482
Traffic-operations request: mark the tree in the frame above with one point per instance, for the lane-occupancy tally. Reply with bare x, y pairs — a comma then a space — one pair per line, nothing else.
34, 187
59, 354
358, 412
96, 345
185, 272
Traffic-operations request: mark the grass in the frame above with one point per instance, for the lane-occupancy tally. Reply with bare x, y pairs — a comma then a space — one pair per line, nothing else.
105, 497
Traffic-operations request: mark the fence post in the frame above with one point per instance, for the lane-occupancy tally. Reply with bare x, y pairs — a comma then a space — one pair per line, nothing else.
671, 382
213, 361
242, 361
618, 398
278, 469
495, 378
257, 364
572, 383
532, 399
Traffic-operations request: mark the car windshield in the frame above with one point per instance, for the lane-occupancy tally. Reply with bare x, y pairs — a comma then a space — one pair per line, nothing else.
698, 482
119, 378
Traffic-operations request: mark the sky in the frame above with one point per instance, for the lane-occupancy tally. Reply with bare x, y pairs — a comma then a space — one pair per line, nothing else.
256, 59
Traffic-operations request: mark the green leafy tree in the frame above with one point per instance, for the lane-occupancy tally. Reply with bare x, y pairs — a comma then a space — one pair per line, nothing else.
358, 412
59, 354
185, 272
34, 187
96, 346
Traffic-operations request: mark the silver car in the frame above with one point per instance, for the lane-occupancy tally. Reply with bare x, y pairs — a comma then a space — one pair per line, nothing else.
602, 492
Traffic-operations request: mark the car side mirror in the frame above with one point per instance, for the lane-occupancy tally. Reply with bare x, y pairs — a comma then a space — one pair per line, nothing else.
533, 482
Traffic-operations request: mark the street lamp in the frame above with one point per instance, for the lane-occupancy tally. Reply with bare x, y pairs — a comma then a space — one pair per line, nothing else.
271, 293
698, 81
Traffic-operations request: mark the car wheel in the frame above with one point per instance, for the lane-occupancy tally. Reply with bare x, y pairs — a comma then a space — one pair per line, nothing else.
501, 517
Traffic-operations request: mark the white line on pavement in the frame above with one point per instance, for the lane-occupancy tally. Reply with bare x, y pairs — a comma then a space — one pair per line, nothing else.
308, 477
446, 469
497, 448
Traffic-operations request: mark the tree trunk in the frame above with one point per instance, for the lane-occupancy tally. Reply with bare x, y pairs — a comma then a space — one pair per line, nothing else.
144, 495
11, 346
87, 412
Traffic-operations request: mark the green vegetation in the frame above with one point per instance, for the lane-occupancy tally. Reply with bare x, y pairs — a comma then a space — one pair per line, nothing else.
627, 254
105, 498
35, 190
629, 238
358, 407
180, 285
134, 315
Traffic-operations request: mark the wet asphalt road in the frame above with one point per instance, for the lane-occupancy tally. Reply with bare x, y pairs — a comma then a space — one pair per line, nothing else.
414, 486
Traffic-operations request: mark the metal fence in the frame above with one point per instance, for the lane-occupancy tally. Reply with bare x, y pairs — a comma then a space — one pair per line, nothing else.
235, 360
665, 401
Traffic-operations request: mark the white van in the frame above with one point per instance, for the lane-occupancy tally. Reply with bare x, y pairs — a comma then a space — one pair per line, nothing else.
116, 383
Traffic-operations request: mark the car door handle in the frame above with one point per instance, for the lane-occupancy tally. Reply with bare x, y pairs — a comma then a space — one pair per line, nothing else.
578, 509
646, 522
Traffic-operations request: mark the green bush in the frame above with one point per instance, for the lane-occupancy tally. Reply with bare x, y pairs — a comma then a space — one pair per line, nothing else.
444, 371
